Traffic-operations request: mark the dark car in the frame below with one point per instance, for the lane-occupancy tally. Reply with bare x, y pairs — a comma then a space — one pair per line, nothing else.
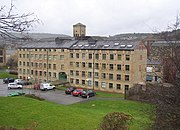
88, 93
77, 92
69, 90
8, 80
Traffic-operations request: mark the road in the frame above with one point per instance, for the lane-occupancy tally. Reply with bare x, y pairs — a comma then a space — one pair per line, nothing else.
57, 96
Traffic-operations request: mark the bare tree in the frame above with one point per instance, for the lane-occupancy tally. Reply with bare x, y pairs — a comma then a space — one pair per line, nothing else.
13, 22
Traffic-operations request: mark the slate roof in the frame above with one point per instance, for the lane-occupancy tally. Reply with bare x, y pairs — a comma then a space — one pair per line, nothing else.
85, 44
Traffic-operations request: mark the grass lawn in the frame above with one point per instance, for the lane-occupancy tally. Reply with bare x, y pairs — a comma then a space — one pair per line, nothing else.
4, 74
23, 112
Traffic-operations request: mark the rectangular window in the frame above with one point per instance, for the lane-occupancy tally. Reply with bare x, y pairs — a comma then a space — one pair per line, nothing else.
97, 66
127, 67
62, 67
126, 77
103, 84
77, 73
40, 73
111, 56
54, 66
127, 57
118, 86
103, 75
49, 74
89, 74
40, 65
61, 57
44, 65
89, 65
71, 80
119, 57
54, 57
44, 73
96, 84
118, 77
90, 56
110, 76
40, 56
83, 56
45, 56
71, 55
36, 55
32, 64
111, 66
111, 85
89, 83
71, 63
77, 64
118, 67
83, 73
96, 75
77, 81
83, 64
54, 75
97, 56
83, 82
27, 63
24, 56
77, 55
103, 56
103, 66
49, 58
71, 72
49, 66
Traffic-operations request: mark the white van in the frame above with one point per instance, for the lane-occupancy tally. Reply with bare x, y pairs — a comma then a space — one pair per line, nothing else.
46, 86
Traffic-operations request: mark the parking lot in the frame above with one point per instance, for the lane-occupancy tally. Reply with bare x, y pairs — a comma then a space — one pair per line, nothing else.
56, 96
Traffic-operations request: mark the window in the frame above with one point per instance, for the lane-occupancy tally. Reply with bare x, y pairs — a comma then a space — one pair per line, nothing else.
96, 75
49, 74
36, 56
20, 63
44, 65
77, 81
40, 73
83, 64
83, 82
32, 72
32, 64
103, 56
96, 84
118, 67
119, 57
45, 56
103, 84
40, 65
77, 73
118, 86
127, 67
77, 55
36, 65
71, 55
89, 65
111, 66
83, 56
110, 85
44, 73
54, 75
54, 57
62, 67
54, 66
90, 56
71, 63
19, 55
61, 57
40, 56
96, 65
27, 55
77, 64
49, 66
36, 72
118, 77
103, 75
27, 63
1, 52
24, 64
83, 73
24, 56
127, 57
126, 77
111, 76
71, 80
97, 56
49, 57
89, 83
111, 56
71, 72
89, 74
103, 66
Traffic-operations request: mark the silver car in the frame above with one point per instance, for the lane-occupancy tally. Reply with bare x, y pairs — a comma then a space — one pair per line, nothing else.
14, 85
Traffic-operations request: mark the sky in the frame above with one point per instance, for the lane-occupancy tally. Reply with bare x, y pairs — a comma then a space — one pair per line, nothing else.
101, 17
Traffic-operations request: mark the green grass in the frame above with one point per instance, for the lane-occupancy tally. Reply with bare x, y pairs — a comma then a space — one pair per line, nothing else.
4, 74
109, 95
23, 112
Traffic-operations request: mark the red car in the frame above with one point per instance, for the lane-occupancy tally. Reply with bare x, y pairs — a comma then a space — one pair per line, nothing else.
77, 92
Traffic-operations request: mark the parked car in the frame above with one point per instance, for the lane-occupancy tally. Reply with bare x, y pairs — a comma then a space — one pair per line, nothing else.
46, 86
14, 85
18, 81
88, 93
77, 92
8, 80
69, 90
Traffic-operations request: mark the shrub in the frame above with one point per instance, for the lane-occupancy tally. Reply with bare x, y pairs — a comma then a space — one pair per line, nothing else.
115, 121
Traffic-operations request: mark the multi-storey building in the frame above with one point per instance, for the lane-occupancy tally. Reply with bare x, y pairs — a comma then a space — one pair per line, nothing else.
2, 56
100, 65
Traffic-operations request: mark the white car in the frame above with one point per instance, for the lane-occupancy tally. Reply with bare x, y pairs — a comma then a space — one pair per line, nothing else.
14, 85
46, 86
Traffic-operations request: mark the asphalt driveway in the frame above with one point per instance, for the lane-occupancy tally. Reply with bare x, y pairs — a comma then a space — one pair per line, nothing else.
57, 96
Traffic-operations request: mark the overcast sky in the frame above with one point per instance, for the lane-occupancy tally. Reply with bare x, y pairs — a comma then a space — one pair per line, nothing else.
101, 17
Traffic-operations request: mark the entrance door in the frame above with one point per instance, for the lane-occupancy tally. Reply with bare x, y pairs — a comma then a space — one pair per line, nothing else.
62, 76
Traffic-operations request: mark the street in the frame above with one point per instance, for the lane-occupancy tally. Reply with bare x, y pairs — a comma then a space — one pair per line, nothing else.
57, 96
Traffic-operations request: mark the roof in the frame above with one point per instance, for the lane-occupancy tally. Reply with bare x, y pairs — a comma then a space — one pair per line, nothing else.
84, 44
79, 24
165, 43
